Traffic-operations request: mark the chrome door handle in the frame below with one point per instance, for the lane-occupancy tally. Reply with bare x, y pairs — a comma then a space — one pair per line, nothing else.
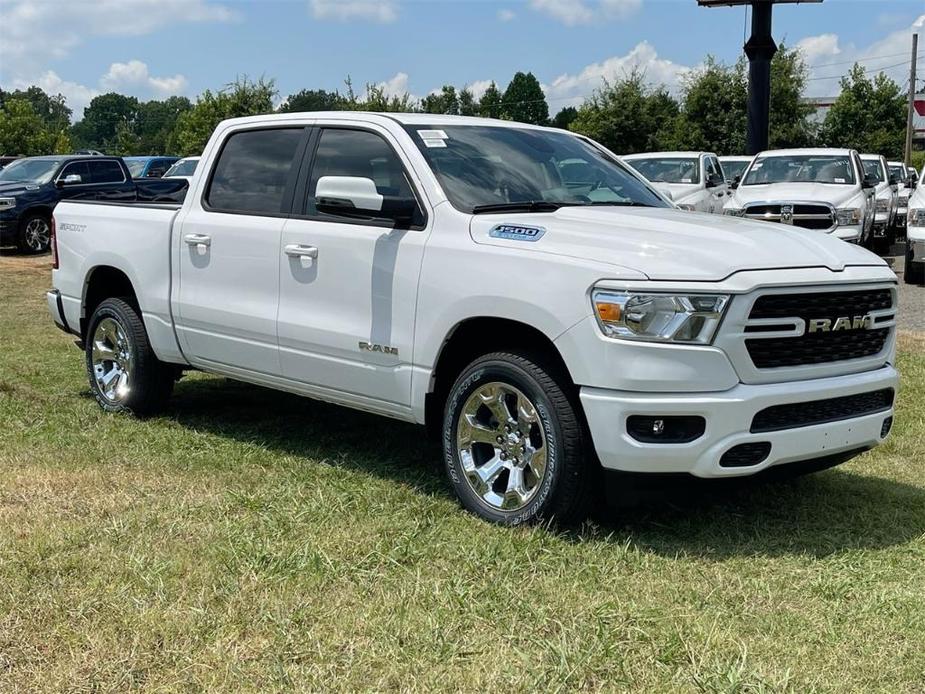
197, 240
297, 250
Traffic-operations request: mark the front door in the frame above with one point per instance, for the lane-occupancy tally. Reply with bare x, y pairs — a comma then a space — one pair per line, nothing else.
348, 285
227, 250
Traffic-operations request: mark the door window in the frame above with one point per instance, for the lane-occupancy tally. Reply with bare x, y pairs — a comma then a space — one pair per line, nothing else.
105, 172
358, 153
78, 168
253, 171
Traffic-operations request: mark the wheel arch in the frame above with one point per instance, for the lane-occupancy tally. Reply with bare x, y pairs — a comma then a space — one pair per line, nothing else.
477, 336
104, 282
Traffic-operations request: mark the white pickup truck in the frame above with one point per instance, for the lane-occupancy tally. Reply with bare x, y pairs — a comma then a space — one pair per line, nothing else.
694, 180
823, 190
515, 288
915, 238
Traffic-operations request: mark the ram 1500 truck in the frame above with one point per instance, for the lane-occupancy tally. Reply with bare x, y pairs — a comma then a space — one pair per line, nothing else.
515, 288
886, 196
694, 180
821, 190
914, 272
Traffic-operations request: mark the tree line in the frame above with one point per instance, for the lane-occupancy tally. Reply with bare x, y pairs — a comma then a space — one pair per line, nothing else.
627, 115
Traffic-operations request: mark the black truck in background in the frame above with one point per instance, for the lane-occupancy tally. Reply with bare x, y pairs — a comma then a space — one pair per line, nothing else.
31, 187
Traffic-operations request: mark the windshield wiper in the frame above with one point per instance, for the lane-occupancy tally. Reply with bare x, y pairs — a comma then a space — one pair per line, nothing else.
617, 203
522, 206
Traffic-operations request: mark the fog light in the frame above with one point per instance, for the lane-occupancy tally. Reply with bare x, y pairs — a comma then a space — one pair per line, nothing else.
665, 429
746, 454
885, 427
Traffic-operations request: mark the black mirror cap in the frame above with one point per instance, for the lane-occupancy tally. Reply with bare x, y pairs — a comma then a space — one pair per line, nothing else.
399, 210
869, 182
714, 180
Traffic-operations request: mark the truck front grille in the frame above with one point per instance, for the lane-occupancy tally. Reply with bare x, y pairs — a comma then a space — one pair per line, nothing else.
799, 214
824, 346
805, 414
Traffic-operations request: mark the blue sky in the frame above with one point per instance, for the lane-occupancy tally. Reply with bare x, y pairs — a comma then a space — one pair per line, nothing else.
152, 48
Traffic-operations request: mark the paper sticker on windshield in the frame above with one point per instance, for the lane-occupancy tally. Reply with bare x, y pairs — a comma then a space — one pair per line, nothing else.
839, 180
516, 232
686, 180
433, 134
434, 143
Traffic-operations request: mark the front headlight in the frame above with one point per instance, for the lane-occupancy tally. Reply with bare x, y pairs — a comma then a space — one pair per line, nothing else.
917, 217
734, 211
848, 217
684, 318
7, 203
883, 205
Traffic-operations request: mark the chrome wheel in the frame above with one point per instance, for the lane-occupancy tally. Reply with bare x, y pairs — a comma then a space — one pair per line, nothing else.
501, 445
112, 361
37, 234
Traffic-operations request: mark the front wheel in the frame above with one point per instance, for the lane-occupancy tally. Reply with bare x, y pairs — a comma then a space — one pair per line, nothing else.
124, 373
914, 273
34, 234
514, 445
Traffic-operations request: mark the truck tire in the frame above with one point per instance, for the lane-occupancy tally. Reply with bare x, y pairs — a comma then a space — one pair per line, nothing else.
914, 273
514, 445
124, 373
34, 233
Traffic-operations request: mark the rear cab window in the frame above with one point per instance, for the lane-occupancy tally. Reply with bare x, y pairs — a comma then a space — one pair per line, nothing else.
254, 172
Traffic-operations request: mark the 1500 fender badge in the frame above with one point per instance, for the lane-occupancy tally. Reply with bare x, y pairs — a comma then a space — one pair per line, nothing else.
516, 232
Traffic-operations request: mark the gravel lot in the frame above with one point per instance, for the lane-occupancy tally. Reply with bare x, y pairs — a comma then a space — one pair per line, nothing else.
911, 301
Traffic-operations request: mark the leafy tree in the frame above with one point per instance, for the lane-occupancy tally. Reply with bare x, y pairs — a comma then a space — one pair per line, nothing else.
53, 110
243, 97
790, 124
869, 115
23, 131
102, 119
467, 103
378, 100
565, 117
628, 116
445, 101
490, 103
312, 100
713, 110
524, 100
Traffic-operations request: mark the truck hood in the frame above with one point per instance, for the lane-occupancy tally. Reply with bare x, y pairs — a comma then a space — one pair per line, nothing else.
668, 244
835, 195
17, 187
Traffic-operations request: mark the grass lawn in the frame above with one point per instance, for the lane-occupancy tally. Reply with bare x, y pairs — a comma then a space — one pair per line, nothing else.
251, 540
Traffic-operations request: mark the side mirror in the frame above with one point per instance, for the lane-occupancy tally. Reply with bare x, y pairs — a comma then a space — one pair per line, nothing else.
894, 181
355, 196
868, 182
714, 180
69, 180
735, 182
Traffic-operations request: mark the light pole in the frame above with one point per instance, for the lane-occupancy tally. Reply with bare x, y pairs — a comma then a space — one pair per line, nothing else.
760, 49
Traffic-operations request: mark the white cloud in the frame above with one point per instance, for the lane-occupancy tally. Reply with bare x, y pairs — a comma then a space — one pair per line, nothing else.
78, 95
574, 12
572, 89
829, 59
506, 15
34, 32
382, 11
133, 76
396, 86
478, 88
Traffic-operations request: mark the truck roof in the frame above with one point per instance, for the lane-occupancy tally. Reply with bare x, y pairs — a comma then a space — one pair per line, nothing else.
665, 155
402, 118
807, 151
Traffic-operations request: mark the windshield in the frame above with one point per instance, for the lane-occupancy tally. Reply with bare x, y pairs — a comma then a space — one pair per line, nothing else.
668, 170
899, 172
482, 166
136, 166
873, 169
734, 169
184, 167
808, 168
30, 170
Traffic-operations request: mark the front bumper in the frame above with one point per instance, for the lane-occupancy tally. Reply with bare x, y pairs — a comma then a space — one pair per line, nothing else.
729, 418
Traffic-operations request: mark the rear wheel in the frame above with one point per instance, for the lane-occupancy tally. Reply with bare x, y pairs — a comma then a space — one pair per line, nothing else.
514, 445
35, 233
124, 373
914, 273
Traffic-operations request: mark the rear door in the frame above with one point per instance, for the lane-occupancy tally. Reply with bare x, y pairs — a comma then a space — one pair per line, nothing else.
347, 306
228, 248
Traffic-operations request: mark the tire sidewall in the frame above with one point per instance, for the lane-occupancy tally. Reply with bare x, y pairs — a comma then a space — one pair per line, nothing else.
108, 309
499, 370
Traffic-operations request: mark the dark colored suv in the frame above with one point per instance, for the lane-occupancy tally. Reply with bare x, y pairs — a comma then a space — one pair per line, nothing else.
31, 187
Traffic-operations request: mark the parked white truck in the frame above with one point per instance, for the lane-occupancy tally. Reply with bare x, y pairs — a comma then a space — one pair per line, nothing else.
516, 288
694, 180
886, 194
914, 272
823, 190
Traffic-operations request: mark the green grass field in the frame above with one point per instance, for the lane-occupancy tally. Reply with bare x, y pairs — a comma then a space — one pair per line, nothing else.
250, 540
